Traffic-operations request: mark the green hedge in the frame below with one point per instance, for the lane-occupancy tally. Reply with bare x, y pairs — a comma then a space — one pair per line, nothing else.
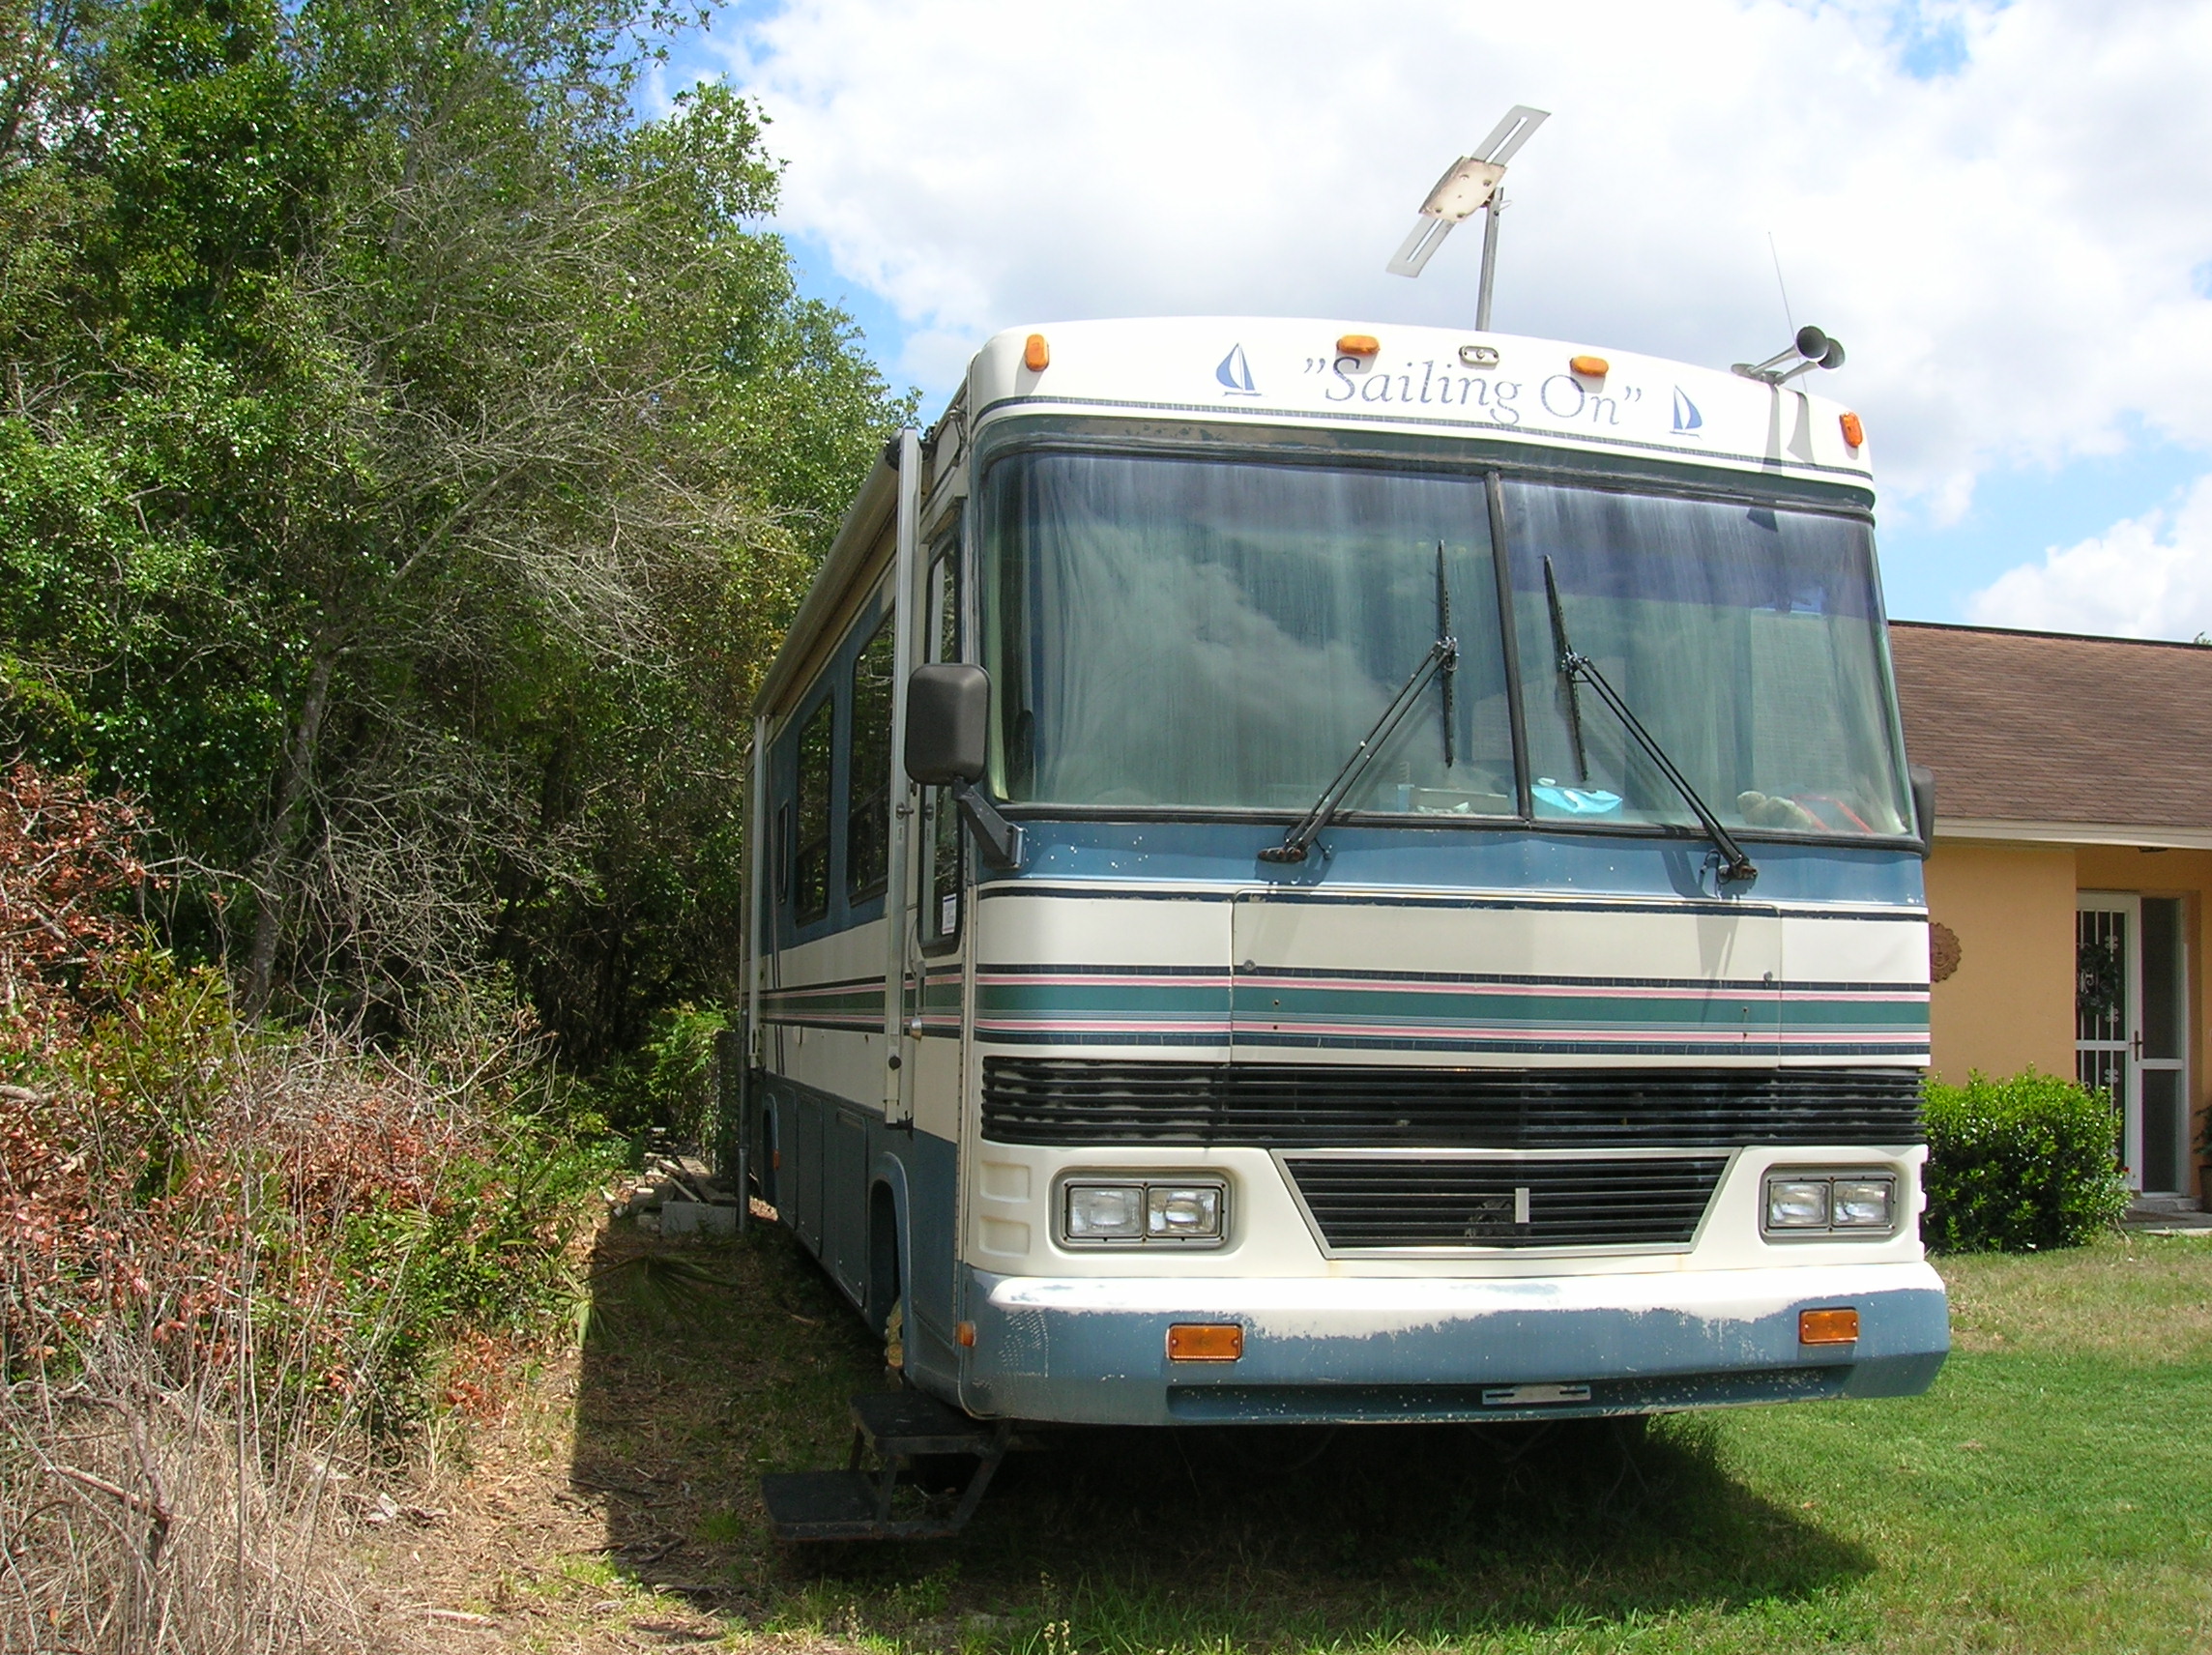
2018, 1164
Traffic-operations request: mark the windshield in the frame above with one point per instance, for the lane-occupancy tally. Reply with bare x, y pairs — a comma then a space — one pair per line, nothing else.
1201, 635
1220, 634
1748, 640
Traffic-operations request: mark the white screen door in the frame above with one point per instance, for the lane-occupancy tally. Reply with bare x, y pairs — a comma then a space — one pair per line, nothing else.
2130, 1029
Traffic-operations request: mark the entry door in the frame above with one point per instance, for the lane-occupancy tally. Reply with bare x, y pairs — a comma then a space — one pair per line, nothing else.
2131, 1030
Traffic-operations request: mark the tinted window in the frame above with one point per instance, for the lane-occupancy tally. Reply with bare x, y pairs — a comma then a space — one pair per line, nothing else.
1748, 639
1170, 633
938, 919
868, 782
810, 856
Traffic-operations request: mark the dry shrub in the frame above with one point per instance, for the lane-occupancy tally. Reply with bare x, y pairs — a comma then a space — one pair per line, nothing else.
235, 1268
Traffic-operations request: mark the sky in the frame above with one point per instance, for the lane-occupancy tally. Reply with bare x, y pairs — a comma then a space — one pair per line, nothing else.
2005, 211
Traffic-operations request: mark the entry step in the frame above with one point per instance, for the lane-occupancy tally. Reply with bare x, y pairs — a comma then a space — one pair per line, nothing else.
856, 1505
841, 1505
910, 1422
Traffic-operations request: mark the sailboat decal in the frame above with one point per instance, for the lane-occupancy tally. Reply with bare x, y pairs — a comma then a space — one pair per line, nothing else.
1237, 373
1686, 414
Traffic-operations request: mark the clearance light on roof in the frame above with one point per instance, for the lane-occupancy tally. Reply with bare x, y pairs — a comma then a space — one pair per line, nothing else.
1358, 345
1590, 367
1037, 355
1854, 429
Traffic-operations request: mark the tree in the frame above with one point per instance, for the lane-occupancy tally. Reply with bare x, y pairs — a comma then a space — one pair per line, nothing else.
409, 460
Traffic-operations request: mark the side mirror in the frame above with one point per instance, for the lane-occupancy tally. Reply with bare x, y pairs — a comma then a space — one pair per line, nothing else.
948, 723
1924, 805
948, 744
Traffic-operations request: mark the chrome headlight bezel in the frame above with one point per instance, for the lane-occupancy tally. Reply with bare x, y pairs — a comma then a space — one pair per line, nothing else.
1174, 1210
1790, 1187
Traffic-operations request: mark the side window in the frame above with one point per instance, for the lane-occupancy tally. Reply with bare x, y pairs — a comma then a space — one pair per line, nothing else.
810, 852
780, 848
868, 782
938, 919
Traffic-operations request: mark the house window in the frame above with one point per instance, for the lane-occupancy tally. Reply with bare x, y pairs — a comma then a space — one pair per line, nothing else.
868, 787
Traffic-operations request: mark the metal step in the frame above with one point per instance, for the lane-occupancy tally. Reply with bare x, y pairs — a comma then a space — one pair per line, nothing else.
841, 1505
854, 1504
904, 1423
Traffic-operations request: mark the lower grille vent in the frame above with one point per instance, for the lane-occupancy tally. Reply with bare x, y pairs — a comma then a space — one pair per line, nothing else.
1306, 1106
1370, 1201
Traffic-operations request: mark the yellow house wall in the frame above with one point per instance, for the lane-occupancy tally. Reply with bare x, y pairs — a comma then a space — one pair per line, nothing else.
2010, 1004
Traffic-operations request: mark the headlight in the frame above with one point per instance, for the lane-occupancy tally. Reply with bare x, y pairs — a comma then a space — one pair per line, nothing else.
1105, 1212
1796, 1203
1802, 1204
1864, 1204
1171, 1212
1192, 1212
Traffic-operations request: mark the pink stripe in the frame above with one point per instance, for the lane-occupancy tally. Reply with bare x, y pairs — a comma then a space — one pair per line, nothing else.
1522, 1033
995, 980
1430, 985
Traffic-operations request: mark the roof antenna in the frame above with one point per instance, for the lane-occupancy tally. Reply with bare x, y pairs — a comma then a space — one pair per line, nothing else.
1779, 282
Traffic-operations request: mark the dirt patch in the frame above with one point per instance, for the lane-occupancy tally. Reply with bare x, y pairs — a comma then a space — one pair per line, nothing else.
605, 1497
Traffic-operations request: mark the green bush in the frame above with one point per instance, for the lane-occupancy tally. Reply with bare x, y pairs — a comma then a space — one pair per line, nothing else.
667, 1082
2018, 1164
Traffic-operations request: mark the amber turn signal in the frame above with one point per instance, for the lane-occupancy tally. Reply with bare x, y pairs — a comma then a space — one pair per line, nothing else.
1593, 368
1854, 429
1205, 1342
1037, 355
964, 1335
1358, 345
1827, 1326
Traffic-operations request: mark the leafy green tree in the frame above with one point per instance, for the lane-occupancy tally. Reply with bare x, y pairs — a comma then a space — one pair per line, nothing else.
408, 460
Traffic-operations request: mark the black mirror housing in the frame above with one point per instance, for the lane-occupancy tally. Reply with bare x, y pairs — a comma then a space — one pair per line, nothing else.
948, 723
1924, 805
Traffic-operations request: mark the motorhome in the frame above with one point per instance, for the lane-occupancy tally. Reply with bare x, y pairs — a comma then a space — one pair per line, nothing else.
1308, 871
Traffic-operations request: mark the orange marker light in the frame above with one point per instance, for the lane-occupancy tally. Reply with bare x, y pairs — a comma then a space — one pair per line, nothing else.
1358, 345
1854, 429
964, 1335
1037, 355
1594, 367
1827, 1326
1205, 1342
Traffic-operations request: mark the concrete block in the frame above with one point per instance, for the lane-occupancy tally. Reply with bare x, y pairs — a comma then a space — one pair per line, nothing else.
697, 1218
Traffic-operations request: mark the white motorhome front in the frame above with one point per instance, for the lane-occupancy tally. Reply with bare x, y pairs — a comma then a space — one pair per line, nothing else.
1566, 1059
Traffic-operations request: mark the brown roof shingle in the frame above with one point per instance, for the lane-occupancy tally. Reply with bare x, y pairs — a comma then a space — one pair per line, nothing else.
2048, 727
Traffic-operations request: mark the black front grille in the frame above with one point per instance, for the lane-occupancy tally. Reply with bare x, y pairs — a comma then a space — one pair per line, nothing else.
1428, 1202
1076, 1100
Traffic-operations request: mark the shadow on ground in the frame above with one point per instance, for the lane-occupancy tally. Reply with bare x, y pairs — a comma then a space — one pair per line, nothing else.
705, 1365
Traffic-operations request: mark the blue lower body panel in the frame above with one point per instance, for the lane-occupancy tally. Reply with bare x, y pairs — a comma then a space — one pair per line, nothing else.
1093, 1349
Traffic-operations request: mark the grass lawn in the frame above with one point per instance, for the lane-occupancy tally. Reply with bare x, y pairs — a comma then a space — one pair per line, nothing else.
2053, 1493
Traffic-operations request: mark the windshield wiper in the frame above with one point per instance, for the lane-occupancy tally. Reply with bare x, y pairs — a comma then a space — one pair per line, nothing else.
1573, 667
1443, 656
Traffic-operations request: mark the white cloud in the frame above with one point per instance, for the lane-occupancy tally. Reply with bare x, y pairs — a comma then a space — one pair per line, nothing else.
2144, 577
2006, 247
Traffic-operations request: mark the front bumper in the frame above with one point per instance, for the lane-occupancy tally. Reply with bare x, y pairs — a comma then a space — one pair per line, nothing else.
1093, 1349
